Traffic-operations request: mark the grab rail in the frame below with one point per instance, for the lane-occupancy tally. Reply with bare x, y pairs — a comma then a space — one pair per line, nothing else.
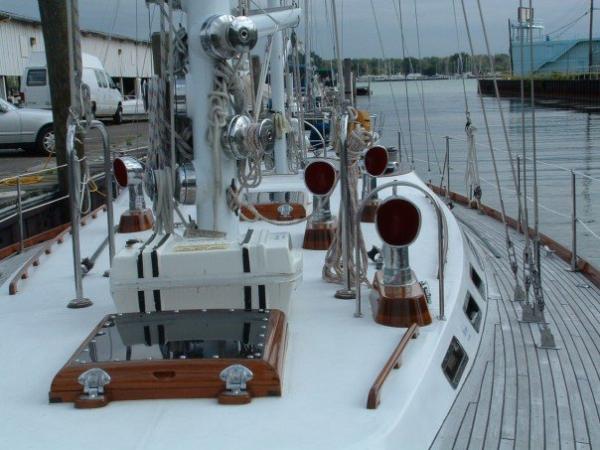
393, 362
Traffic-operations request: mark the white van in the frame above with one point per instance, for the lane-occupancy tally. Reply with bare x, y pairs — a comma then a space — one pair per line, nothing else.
107, 100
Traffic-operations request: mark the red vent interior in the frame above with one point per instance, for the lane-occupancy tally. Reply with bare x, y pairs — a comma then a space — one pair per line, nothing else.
398, 222
120, 171
320, 177
376, 160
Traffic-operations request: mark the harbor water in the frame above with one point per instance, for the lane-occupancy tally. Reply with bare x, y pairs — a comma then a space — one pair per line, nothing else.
567, 140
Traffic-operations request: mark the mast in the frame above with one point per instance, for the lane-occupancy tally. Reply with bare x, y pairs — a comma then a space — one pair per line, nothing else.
307, 56
591, 51
278, 95
55, 25
214, 172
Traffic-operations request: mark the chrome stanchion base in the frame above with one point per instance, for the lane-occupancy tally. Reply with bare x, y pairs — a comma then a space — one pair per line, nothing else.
519, 294
547, 340
345, 294
531, 313
78, 303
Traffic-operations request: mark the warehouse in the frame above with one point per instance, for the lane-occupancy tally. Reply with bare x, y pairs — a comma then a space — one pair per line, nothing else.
127, 61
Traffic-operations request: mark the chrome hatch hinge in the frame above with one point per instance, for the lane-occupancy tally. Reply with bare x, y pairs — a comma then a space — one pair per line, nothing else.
93, 382
235, 378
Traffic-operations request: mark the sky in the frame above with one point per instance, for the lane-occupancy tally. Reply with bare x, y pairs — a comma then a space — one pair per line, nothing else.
359, 27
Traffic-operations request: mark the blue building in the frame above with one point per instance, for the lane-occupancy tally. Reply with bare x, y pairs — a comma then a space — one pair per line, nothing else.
549, 56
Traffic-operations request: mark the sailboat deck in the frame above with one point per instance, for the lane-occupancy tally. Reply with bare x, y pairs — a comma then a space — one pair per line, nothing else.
518, 395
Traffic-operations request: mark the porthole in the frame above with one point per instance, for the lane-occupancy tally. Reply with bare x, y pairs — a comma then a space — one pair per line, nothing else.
472, 311
478, 282
455, 362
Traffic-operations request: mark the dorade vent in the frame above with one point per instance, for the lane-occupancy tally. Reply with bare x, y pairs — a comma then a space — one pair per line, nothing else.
402, 300
473, 312
374, 163
455, 362
398, 222
320, 177
478, 282
129, 173
376, 160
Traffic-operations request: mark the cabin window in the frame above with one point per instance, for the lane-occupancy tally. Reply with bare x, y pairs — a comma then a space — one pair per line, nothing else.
477, 281
455, 362
111, 82
101, 79
472, 312
36, 77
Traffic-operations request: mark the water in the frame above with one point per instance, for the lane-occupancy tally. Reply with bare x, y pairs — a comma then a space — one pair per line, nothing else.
566, 140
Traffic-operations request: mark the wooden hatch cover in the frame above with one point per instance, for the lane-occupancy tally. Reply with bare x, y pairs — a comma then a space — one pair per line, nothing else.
177, 354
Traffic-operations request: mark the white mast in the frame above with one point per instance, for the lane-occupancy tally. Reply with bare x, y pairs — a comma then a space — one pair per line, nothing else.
278, 94
210, 215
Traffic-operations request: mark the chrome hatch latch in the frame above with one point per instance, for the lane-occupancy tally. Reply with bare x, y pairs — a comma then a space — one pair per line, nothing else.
235, 378
93, 382
285, 211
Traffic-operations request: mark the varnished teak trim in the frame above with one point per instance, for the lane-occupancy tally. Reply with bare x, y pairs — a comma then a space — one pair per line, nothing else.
189, 378
393, 363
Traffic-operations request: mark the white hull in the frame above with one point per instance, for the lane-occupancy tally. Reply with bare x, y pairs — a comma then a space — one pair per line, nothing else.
331, 362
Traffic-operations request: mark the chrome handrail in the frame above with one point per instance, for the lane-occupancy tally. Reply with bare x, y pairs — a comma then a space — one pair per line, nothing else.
74, 175
442, 244
107, 163
108, 173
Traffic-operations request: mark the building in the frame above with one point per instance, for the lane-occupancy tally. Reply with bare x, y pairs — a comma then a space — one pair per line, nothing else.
128, 61
549, 56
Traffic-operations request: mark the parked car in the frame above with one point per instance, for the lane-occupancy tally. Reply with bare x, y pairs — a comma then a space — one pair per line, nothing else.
107, 100
26, 128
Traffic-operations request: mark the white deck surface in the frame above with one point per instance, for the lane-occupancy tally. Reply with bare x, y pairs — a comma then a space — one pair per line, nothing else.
332, 360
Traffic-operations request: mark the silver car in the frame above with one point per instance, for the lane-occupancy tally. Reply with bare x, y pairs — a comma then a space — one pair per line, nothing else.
26, 128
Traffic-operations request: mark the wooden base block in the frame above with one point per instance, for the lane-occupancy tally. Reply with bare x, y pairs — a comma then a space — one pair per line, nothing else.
270, 211
82, 402
228, 399
318, 236
135, 221
400, 306
368, 213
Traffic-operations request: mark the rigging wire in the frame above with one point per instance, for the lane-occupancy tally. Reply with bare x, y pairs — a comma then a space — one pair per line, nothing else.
472, 180
536, 264
398, 10
428, 137
382, 49
569, 25
525, 215
112, 29
509, 244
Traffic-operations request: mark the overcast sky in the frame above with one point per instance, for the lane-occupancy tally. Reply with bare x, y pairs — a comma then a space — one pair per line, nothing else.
436, 22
